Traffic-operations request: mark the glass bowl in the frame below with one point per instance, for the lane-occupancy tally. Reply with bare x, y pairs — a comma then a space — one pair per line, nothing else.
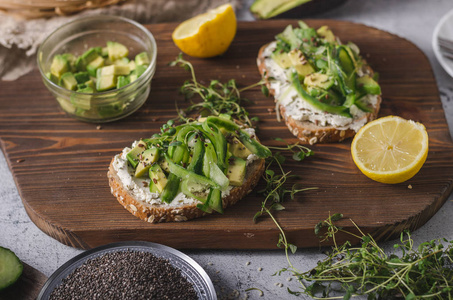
77, 37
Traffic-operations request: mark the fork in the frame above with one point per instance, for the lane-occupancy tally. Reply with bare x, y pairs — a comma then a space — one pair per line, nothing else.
446, 47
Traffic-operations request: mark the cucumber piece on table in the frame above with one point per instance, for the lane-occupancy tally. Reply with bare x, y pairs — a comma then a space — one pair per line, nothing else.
10, 268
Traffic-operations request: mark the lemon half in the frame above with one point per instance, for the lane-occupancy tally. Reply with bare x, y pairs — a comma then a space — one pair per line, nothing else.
207, 35
390, 149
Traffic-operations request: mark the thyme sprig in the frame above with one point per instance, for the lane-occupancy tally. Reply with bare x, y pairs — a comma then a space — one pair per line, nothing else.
423, 272
276, 191
218, 98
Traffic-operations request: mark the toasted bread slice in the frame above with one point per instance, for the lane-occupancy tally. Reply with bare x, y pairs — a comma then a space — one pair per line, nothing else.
167, 213
308, 132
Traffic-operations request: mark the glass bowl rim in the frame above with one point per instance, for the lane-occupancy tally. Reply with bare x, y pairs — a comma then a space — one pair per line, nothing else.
125, 246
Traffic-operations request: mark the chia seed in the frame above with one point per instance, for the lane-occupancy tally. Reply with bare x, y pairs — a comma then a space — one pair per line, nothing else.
125, 275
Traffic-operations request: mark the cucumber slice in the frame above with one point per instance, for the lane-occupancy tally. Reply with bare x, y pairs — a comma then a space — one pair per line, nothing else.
10, 268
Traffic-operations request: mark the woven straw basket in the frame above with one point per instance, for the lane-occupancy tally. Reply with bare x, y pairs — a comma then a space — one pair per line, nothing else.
31, 9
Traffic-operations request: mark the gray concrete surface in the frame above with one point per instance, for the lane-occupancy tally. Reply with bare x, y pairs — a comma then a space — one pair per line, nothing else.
235, 271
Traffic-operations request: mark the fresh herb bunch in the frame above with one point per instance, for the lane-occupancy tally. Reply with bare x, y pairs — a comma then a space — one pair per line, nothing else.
218, 98
425, 272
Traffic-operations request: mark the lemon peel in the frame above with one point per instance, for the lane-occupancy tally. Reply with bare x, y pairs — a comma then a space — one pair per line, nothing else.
207, 35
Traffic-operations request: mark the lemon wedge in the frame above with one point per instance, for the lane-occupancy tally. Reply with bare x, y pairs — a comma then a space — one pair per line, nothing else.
390, 149
207, 35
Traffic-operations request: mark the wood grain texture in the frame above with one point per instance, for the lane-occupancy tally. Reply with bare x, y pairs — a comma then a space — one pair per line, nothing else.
62, 178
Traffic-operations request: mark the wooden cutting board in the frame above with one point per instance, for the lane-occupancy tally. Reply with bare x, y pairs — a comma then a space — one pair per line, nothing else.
60, 164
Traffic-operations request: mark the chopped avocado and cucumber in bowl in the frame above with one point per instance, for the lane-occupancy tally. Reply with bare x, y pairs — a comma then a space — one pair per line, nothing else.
99, 68
102, 71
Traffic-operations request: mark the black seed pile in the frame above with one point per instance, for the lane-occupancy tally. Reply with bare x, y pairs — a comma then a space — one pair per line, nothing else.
125, 275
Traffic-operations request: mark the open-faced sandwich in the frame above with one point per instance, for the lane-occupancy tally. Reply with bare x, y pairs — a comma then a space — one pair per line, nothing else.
188, 171
324, 90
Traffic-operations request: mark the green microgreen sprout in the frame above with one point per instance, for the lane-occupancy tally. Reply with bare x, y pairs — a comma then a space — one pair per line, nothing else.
218, 98
423, 272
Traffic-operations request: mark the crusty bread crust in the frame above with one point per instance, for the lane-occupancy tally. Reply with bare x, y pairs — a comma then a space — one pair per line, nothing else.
308, 132
165, 213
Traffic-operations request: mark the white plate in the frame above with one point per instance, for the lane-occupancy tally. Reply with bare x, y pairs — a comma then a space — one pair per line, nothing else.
444, 29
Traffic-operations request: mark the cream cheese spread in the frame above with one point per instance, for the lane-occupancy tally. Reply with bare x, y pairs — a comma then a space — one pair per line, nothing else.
139, 187
301, 110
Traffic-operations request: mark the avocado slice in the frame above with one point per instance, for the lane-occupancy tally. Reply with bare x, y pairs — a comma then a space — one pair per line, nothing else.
98, 50
147, 158
131, 65
85, 59
105, 83
104, 52
158, 178
326, 34
122, 81
81, 86
68, 81
90, 84
52, 77
82, 101
95, 64
122, 61
113, 70
236, 171
111, 110
133, 156
82, 77
116, 50
300, 63
368, 85
133, 76
90, 55
142, 59
59, 66
140, 69
164, 165
71, 60
238, 149
282, 59
66, 105
318, 80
